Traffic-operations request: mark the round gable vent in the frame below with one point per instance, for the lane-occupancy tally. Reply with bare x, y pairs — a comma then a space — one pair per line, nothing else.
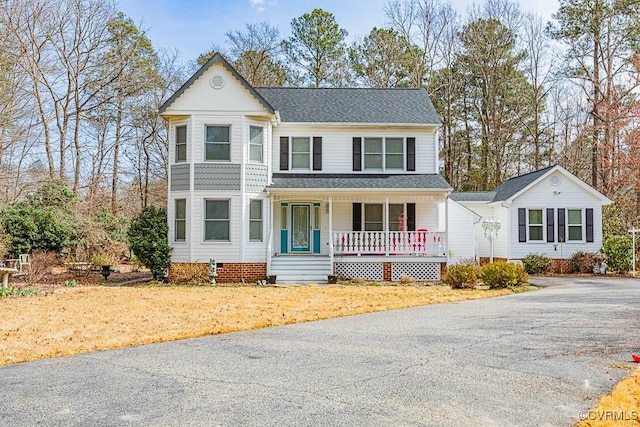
217, 82
555, 180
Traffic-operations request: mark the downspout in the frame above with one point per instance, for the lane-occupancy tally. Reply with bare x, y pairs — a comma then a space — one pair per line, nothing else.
386, 226
331, 249
243, 210
446, 227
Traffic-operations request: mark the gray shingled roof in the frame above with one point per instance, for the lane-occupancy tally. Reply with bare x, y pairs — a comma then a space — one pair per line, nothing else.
352, 105
514, 185
473, 196
356, 181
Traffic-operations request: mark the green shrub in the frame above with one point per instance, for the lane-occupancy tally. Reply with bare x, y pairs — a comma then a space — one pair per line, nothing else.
583, 262
461, 276
618, 253
148, 240
537, 264
502, 274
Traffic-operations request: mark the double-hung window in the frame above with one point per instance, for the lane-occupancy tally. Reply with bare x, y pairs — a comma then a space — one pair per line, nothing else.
181, 144
300, 153
574, 225
217, 143
395, 210
535, 225
256, 143
394, 153
373, 217
216, 220
180, 223
255, 220
383, 153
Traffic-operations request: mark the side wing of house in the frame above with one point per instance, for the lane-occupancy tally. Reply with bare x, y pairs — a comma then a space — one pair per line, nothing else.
557, 215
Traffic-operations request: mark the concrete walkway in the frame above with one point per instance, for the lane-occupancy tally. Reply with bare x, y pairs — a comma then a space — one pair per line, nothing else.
533, 359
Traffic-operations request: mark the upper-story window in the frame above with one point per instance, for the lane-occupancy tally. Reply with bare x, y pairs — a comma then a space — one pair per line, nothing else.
181, 143
383, 154
300, 153
256, 144
180, 227
217, 143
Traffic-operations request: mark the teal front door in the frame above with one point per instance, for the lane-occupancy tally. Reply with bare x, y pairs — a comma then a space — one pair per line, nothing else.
300, 228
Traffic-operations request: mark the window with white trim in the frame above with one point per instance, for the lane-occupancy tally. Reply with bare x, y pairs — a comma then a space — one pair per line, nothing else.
373, 217
255, 220
384, 153
216, 220
535, 225
574, 225
180, 223
256, 143
217, 145
301, 152
181, 144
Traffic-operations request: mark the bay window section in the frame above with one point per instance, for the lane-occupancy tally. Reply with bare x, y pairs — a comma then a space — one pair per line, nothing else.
216, 220
255, 220
217, 143
574, 224
300, 153
535, 225
181, 144
180, 223
256, 138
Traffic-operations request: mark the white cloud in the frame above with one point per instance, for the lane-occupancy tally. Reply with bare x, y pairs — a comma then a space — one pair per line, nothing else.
255, 2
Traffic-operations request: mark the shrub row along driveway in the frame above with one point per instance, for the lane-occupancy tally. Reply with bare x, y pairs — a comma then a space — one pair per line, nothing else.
538, 358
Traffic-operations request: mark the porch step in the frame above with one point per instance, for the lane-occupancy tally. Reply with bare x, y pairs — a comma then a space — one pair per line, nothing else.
302, 269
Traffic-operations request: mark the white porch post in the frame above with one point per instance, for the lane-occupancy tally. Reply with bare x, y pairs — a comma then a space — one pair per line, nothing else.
386, 226
446, 228
271, 231
331, 232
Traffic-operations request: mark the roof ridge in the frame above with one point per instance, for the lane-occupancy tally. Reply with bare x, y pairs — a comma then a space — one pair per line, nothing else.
530, 173
338, 88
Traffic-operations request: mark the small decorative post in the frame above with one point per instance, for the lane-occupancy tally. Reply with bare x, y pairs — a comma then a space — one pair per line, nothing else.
491, 228
213, 271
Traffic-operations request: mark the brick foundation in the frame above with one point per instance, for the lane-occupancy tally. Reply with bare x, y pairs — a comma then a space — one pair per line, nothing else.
386, 271
228, 273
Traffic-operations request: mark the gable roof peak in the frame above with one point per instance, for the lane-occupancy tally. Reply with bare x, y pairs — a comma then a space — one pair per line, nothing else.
217, 58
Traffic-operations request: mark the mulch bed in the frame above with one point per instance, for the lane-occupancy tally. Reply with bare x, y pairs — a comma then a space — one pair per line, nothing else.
84, 278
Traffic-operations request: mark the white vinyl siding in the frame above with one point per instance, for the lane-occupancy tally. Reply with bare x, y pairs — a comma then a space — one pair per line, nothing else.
337, 145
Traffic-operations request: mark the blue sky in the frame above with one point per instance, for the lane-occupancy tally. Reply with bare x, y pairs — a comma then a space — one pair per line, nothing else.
191, 26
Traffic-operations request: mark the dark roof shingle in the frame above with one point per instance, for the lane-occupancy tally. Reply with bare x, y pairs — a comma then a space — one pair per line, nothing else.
359, 181
514, 185
473, 196
351, 105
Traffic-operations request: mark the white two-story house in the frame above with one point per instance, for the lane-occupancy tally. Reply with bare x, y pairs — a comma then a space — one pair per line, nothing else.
304, 183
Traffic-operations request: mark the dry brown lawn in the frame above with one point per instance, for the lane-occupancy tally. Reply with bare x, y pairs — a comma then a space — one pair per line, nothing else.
621, 408
77, 320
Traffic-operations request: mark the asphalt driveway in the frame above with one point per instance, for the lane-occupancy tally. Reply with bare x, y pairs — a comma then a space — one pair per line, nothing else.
538, 358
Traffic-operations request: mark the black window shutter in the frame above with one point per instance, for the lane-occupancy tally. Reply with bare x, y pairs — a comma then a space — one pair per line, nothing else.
357, 153
357, 217
589, 214
411, 217
411, 154
522, 225
284, 153
317, 153
550, 226
561, 226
